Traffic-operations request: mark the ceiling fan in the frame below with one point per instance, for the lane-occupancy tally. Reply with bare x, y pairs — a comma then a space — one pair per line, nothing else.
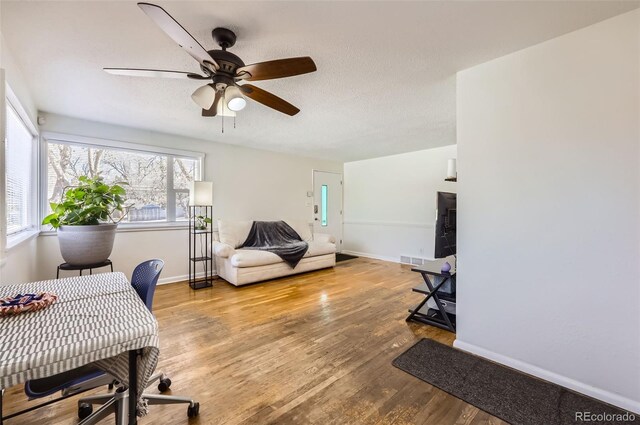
223, 95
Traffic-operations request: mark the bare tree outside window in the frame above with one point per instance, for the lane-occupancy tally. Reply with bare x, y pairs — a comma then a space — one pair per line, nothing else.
184, 171
147, 175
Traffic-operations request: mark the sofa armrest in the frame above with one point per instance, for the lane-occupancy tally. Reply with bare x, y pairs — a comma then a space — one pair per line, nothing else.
324, 237
223, 250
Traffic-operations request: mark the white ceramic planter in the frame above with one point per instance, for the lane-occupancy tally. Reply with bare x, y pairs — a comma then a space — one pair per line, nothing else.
84, 245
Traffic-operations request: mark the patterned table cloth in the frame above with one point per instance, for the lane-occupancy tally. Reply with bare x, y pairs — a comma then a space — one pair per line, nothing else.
96, 319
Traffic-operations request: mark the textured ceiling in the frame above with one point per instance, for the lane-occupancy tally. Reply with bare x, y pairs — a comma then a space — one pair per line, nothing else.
386, 70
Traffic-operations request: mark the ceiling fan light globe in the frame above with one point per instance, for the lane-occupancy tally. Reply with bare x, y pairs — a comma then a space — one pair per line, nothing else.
222, 110
236, 104
204, 96
234, 98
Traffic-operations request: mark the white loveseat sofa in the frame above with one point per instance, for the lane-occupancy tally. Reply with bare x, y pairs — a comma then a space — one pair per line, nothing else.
243, 266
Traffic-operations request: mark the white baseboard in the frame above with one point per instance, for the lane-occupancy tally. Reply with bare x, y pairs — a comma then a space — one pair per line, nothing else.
598, 393
379, 257
373, 256
179, 278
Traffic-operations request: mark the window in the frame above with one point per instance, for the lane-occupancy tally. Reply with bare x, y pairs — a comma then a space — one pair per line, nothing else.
157, 181
323, 211
19, 172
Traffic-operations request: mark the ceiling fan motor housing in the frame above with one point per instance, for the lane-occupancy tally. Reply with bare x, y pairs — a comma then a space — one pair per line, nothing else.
228, 64
221, 82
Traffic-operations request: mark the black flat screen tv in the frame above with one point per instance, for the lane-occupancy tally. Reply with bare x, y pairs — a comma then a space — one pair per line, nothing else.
445, 225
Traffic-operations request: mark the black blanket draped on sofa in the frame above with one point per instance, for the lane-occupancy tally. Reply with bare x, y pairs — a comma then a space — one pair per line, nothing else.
277, 237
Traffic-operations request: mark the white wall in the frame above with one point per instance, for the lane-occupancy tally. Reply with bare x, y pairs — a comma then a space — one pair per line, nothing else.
18, 263
13, 76
390, 203
549, 196
247, 184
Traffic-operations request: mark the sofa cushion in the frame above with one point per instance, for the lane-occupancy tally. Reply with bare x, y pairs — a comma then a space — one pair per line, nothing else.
324, 237
320, 248
253, 257
302, 228
233, 233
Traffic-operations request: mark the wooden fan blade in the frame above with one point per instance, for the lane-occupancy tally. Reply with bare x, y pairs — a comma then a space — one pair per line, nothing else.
157, 73
180, 35
268, 99
276, 69
211, 112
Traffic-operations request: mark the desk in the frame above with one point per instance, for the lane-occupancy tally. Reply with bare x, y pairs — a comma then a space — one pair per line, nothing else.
440, 318
97, 319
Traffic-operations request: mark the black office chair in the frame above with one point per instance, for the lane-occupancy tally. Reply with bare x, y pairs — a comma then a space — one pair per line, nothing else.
144, 280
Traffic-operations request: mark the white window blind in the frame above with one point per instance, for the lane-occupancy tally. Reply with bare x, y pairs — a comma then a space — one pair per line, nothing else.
19, 156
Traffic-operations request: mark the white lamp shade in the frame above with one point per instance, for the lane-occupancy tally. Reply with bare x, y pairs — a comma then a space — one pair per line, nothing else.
235, 99
204, 96
452, 171
222, 110
201, 193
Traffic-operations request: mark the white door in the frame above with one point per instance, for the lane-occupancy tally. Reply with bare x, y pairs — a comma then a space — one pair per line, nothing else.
327, 204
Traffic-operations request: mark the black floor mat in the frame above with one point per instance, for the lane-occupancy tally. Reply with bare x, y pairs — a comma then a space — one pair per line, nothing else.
343, 257
510, 395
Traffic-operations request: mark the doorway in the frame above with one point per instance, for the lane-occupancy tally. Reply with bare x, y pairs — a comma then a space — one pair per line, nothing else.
327, 204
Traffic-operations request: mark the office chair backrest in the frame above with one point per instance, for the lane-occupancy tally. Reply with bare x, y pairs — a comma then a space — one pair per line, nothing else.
144, 280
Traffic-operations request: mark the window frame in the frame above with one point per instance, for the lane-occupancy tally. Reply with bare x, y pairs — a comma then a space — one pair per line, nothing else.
84, 141
10, 241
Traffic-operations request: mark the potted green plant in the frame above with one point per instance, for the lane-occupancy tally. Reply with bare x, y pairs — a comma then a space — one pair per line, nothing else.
201, 222
86, 220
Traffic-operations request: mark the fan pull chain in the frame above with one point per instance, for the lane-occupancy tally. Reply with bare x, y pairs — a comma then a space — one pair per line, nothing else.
234, 122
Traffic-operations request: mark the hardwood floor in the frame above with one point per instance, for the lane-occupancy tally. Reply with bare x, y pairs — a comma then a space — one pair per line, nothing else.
309, 349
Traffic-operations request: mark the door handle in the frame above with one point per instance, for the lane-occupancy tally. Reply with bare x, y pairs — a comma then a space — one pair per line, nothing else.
315, 210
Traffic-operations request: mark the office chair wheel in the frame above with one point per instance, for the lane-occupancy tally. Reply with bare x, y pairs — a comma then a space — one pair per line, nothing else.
164, 385
85, 410
193, 411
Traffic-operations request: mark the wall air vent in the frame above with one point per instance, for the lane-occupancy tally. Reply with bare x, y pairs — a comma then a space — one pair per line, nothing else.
412, 261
